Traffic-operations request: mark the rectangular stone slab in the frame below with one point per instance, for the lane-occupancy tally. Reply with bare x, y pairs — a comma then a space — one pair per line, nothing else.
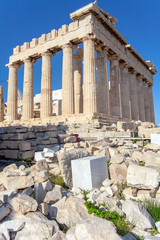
89, 172
155, 138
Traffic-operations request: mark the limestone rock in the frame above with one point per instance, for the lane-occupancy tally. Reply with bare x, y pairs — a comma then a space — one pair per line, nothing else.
107, 182
40, 166
152, 160
4, 211
37, 227
65, 157
93, 228
137, 155
152, 147
72, 212
119, 158
18, 182
58, 236
129, 236
41, 176
41, 190
54, 195
137, 214
142, 177
118, 172
12, 225
6, 195
23, 204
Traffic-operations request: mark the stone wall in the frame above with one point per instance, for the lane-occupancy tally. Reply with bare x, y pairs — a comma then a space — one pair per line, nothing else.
20, 142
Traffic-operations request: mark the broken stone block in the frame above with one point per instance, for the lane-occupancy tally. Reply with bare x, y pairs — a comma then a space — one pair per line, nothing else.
23, 204
12, 154
4, 211
39, 156
18, 182
25, 155
118, 172
54, 195
142, 177
25, 146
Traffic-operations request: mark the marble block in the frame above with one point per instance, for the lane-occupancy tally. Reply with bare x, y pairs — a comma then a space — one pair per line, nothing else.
89, 172
155, 138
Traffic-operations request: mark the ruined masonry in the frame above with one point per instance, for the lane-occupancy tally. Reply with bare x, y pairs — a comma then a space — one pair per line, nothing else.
129, 95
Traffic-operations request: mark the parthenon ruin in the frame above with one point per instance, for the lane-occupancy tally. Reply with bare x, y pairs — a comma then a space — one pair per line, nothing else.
85, 74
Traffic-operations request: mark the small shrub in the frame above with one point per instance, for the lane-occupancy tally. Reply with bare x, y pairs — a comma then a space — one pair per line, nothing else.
123, 227
153, 207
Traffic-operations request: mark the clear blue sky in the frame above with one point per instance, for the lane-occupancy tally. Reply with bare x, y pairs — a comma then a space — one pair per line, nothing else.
22, 20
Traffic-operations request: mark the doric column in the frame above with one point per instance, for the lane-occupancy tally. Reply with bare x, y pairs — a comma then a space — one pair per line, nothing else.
151, 103
102, 82
114, 94
1, 104
12, 93
67, 80
46, 85
28, 90
147, 102
78, 92
89, 100
124, 92
141, 99
134, 96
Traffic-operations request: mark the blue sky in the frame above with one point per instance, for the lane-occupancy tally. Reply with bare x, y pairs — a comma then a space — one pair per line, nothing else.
22, 20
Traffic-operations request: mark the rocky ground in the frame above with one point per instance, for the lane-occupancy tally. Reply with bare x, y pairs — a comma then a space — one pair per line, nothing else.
37, 203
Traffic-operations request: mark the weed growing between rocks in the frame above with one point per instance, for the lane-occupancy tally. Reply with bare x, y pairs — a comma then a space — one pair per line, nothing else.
57, 180
119, 193
123, 227
153, 207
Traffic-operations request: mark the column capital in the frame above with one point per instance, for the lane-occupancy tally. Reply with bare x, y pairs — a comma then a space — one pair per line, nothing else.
29, 60
47, 53
123, 65
79, 53
68, 45
13, 65
113, 57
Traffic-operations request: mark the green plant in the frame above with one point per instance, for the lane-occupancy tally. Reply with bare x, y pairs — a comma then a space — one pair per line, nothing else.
85, 194
65, 229
123, 227
108, 163
154, 232
142, 164
140, 238
57, 180
153, 207
119, 193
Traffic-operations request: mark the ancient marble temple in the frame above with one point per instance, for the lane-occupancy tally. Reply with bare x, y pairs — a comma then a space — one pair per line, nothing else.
122, 90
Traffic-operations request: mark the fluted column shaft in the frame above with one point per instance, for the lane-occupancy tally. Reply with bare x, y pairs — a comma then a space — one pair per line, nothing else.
124, 92
151, 104
46, 85
141, 100
1, 104
134, 96
90, 101
147, 103
12, 93
102, 82
114, 88
67, 81
78, 92
28, 90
